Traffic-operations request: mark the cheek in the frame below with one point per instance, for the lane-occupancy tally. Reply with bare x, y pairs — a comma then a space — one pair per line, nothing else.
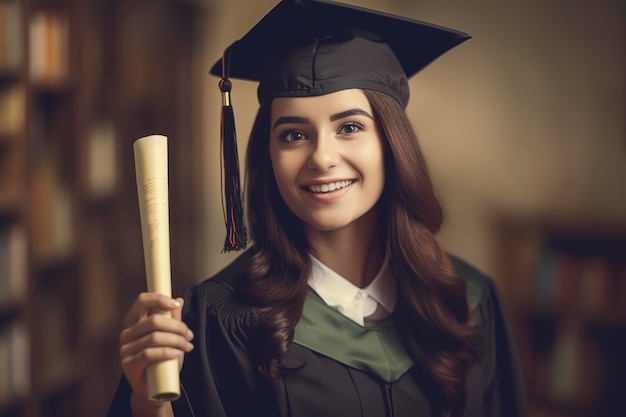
285, 171
377, 175
375, 160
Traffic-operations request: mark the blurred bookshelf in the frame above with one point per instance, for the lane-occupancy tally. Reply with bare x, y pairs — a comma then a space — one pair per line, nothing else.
80, 80
564, 285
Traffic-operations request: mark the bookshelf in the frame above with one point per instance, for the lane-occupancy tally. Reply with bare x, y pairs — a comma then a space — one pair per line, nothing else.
79, 82
14, 334
564, 286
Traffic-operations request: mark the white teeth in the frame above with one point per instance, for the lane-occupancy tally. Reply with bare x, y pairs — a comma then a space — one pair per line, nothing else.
332, 186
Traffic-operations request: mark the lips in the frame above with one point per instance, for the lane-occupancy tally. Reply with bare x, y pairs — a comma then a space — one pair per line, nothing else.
328, 187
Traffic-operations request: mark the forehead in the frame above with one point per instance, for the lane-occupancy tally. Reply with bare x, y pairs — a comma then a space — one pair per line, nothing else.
322, 106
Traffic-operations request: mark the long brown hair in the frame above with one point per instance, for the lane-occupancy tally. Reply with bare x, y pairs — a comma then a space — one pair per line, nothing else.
431, 307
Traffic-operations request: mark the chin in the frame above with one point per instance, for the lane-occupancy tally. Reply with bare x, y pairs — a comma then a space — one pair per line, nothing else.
327, 225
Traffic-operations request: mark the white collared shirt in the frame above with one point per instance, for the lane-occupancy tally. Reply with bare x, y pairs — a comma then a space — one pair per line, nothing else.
355, 303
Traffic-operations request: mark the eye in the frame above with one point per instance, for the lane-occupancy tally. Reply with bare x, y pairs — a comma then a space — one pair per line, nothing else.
349, 128
292, 136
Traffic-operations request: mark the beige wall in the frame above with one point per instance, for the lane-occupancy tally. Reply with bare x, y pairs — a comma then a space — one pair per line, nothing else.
525, 119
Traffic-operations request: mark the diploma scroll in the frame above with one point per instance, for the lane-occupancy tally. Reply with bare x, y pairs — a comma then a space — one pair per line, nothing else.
152, 189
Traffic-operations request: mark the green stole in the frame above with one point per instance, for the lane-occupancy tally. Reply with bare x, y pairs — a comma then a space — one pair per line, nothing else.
375, 350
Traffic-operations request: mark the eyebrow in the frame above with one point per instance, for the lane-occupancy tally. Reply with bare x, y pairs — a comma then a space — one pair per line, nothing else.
289, 119
348, 113
334, 117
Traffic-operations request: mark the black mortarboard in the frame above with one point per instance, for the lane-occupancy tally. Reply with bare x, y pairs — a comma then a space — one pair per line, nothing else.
305, 48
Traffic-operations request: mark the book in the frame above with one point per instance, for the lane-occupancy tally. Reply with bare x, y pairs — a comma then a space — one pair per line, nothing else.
4, 41
102, 160
12, 263
49, 47
10, 35
14, 362
545, 275
12, 109
99, 286
55, 329
598, 296
566, 283
564, 369
52, 208
578, 368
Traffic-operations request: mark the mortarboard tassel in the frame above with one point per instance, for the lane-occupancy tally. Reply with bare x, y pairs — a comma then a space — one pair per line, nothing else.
232, 204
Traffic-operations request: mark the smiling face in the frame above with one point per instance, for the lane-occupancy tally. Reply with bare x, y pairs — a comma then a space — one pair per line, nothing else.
327, 158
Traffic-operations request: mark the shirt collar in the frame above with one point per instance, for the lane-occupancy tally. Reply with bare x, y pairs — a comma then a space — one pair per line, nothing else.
339, 293
383, 287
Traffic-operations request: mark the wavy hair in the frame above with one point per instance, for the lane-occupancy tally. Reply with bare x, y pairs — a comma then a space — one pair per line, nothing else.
431, 309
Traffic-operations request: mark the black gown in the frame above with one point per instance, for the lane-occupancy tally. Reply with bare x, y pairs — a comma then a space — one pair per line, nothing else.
340, 368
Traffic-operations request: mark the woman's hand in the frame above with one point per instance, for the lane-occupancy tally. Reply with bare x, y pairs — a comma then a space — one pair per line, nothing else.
149, 338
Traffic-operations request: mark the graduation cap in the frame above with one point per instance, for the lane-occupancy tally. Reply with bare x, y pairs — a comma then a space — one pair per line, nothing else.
305, 48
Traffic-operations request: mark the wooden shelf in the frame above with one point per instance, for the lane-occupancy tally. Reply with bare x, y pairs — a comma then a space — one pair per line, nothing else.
10, 207
47, 90
10, 75
7, 139
535, 315
12, 406
55, 380
51, 264
76, 101
9, 311
547, 409
570, 325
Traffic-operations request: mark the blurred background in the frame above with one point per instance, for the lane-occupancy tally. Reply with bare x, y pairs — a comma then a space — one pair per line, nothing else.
523, 126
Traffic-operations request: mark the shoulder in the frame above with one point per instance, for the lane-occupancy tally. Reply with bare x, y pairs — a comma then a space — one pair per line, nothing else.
218, 297
497, 380
483, 297
231, 275
477, 283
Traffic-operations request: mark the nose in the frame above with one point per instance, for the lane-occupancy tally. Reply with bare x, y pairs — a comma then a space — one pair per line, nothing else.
323, 155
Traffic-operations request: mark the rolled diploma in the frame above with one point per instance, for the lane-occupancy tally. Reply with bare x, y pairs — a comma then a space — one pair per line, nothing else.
152, 189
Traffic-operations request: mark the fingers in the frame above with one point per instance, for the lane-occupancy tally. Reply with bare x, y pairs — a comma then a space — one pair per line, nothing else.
147, 301
155, 331
144, 330
177, 313
155, 323
156, 346
150, 337
134, 366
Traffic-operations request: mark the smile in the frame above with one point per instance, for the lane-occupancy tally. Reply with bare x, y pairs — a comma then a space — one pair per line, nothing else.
331, 186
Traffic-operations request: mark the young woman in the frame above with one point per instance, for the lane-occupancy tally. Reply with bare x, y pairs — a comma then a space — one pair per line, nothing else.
345, 305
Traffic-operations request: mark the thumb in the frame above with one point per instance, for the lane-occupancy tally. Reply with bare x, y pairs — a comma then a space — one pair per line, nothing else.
177, 313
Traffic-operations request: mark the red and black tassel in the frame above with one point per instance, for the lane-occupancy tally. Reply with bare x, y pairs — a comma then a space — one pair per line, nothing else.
232, 201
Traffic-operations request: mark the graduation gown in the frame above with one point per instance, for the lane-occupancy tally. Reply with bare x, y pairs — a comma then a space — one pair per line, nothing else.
339, 367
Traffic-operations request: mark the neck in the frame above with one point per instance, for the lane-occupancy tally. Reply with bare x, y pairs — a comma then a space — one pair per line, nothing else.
356, 251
